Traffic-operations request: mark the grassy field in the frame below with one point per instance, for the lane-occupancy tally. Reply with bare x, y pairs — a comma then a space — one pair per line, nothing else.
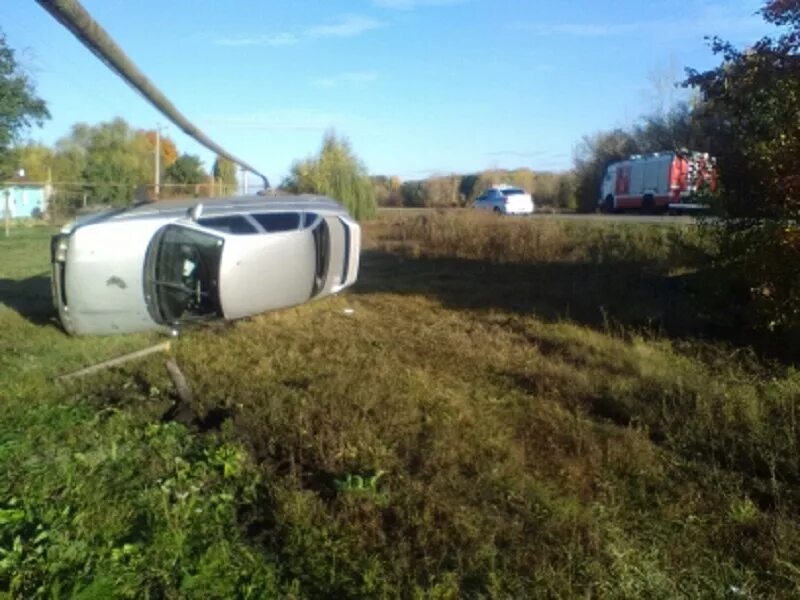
500, 408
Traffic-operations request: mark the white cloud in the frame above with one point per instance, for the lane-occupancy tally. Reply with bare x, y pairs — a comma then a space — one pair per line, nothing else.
275, 39
412, 4
345, 27
325, 82
349, 26
354, 78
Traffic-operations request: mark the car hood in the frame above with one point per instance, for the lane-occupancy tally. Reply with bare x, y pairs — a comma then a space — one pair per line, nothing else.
104, 283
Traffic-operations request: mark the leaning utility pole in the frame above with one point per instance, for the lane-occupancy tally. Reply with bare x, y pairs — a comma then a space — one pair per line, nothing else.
74, 17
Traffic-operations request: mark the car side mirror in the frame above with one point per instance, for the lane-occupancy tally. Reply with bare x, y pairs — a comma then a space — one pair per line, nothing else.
195, 212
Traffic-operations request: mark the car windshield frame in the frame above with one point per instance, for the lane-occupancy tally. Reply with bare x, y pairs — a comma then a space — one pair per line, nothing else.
322, 250
182, 270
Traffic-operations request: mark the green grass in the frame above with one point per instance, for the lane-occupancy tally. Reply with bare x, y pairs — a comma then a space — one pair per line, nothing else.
491, 420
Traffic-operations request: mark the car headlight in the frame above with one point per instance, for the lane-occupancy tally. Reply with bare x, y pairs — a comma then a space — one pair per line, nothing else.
61, 250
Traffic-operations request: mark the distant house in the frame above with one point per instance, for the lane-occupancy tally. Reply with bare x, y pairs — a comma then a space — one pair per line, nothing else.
25, 200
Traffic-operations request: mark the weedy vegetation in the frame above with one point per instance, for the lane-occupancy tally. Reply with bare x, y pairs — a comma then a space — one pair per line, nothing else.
504, 408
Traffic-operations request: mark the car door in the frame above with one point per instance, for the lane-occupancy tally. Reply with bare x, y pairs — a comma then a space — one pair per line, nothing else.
272, 269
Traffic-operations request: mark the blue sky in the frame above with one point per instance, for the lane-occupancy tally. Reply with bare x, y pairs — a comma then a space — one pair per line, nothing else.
418, 86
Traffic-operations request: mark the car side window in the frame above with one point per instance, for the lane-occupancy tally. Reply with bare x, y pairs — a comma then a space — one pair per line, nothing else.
276, 222
236, 224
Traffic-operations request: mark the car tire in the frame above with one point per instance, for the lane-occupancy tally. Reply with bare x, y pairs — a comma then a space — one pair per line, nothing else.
648, 204
608, 205
496, 210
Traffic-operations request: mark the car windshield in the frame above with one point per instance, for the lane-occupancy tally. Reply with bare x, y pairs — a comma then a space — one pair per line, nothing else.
184, 265
512, 191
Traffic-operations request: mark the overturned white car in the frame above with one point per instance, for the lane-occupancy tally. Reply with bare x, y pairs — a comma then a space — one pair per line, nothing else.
168, 264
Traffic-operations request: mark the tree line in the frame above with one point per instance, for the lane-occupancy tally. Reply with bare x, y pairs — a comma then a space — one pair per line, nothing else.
555, 190
114, 163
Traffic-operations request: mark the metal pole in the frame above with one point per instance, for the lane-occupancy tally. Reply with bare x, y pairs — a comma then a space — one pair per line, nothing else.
8, 213
158, 162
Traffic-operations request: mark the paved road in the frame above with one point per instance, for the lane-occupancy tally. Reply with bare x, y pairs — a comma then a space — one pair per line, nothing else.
621, 218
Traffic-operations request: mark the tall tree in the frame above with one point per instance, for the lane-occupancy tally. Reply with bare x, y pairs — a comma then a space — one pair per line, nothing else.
335, 172
593, 156
20, 107
751, 100
113, 169
224, 172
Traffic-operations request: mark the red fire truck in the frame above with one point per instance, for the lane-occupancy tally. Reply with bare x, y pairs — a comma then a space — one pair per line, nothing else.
658, 182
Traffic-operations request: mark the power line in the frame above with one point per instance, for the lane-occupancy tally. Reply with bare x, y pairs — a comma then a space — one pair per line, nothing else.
77, 20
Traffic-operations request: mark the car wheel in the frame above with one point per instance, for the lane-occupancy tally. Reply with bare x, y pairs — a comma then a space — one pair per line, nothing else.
496, 210
648, 204
608, 205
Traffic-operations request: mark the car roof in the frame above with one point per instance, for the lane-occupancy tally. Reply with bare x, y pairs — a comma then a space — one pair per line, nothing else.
169, 209
505, 186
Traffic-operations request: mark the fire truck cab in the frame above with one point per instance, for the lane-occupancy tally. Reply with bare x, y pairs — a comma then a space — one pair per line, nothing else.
657, 182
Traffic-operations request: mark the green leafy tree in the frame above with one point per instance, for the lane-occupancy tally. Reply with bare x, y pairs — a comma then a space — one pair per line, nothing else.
335, 172
102, 163
593, 156
752, 101
68, 166
20, 108
113, 168
35, 159
106, 163
565, 195
413, 193
225, 174
187, 169
467, 188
